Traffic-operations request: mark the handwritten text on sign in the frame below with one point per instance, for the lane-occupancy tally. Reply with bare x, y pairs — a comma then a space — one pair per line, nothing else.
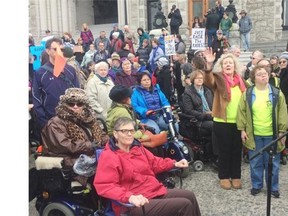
198, 38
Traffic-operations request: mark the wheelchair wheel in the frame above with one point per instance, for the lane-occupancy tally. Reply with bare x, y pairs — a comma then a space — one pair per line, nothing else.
198, 165
57, 209
186, 171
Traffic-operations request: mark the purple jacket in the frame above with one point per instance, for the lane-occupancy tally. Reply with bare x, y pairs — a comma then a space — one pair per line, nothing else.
87, 36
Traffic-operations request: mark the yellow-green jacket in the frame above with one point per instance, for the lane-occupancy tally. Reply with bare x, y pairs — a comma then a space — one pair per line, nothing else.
279, 115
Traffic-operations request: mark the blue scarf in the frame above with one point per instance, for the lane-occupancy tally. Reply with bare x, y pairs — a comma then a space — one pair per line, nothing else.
204, 101
103, 79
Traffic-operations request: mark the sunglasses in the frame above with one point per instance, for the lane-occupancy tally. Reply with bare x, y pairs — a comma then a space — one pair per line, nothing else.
282, 62
126, 131
72, 104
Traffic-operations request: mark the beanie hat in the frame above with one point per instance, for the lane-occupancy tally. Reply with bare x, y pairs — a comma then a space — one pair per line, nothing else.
74, 95
119, 93
162, 61
284, 55
67, 52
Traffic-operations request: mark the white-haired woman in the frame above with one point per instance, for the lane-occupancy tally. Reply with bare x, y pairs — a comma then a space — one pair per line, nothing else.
228, 87
98, 88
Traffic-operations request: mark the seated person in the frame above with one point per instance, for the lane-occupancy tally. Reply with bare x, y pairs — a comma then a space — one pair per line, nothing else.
145, 99
197, 101
73, 131
121, 107
129, 177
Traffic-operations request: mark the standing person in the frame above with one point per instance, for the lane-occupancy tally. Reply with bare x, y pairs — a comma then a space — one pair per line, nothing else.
228, 87
98, 87
180, 45
226, 24
262, 117
197, 23
176, 19
220, 45
274, 62
73, 131
245, 26
129, 176
87, 37
142, 35
212, 25
116, 43
155, 53
219, 9
116, 29
283, 63
47, 88
102, 38
129, 37
143, 53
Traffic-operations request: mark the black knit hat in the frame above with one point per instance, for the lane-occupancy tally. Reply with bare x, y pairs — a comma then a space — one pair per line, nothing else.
119, 93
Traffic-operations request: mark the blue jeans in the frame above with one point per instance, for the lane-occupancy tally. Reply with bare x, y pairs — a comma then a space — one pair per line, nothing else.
245, 38
211, 33
226, 34
159, 124
260, 163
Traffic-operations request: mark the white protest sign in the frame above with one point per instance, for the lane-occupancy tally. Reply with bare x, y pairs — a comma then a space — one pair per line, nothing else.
198, 38
169, 45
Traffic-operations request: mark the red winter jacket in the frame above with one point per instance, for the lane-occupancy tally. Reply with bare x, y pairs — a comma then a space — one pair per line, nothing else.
120, 174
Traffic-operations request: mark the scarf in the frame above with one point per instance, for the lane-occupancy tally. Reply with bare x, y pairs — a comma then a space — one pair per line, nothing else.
232, 83
103, 79
205, 105
85, 120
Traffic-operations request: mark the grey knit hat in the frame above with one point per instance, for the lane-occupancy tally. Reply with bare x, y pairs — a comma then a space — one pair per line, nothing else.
74, 95
284, 55
162, 61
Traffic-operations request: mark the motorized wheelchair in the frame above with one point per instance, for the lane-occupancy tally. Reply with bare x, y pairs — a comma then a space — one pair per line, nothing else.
198, 140
58, 194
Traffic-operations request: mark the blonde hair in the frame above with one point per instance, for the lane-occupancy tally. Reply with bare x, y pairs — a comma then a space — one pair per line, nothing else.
218, 67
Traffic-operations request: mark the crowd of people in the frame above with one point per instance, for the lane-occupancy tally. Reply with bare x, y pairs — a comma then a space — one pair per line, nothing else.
110, 77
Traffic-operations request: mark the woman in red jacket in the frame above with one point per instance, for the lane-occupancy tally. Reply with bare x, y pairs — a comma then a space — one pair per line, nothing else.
126, 173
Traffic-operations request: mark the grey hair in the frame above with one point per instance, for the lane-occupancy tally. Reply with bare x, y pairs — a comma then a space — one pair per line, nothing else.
101, 64
123, 121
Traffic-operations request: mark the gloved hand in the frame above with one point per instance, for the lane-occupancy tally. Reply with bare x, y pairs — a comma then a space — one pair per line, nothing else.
150, 112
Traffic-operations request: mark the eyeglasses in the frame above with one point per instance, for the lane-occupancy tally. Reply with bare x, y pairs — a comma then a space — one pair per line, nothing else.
252, 58
72, 104
282, 62
127, 131
262, 74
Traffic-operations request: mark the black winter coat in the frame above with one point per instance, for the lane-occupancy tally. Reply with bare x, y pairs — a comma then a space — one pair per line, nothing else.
192, 103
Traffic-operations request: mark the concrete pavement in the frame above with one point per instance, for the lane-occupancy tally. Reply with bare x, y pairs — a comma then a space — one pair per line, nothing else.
214, 201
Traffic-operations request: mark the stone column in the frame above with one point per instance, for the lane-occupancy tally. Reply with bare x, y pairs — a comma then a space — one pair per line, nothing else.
234, 37
65, 17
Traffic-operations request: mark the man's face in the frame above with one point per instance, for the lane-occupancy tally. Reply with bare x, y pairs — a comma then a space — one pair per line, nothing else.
219, 35
103, 34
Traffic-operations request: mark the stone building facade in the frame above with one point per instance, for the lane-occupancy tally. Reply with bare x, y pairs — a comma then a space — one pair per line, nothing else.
269, 17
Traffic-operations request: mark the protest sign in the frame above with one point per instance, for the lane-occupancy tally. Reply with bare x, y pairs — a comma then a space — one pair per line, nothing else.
169, 45
198, 38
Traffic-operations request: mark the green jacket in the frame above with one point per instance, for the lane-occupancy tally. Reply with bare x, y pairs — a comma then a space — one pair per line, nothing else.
118, 110
279, 115
226, 24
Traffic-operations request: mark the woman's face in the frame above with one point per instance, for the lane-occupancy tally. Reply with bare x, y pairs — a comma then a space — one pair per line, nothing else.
77, 107
228, 66
146, 82
283, 63
126, 66
154, 44
102, 71
261, 76
198, 81
125, 135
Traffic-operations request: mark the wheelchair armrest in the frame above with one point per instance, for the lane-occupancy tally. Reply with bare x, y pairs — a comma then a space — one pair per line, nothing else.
178, 172
43, 162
